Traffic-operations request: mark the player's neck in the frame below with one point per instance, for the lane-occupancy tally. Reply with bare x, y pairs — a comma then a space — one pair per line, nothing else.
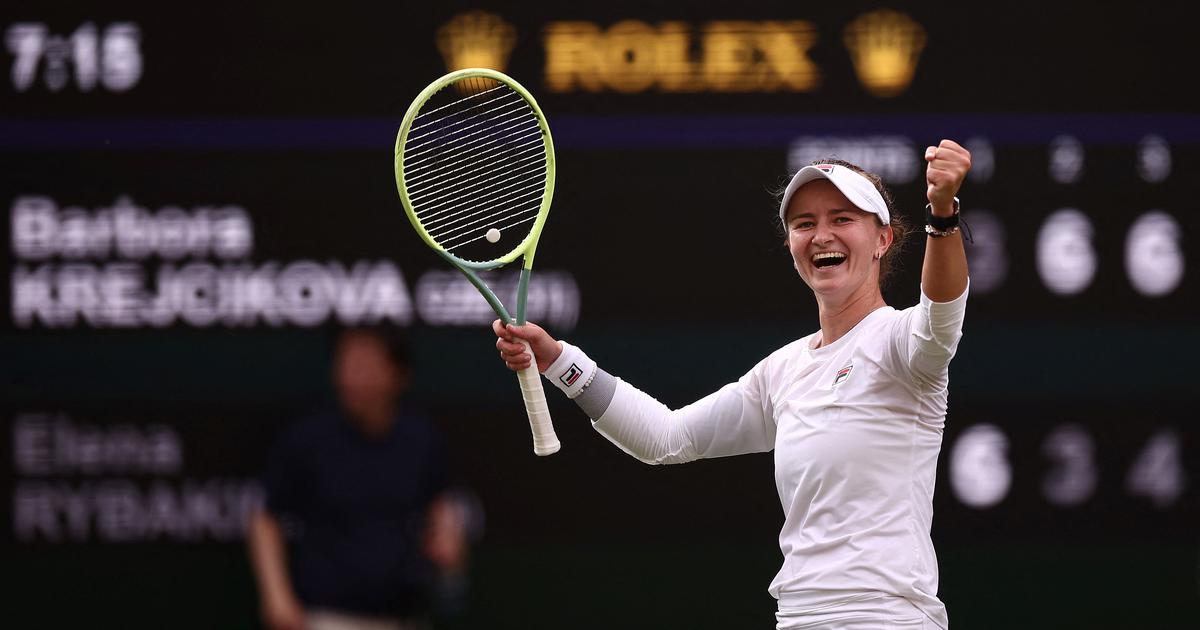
838, 318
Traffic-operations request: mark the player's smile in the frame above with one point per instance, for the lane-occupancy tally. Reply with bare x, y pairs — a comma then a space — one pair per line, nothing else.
825, 265
828, 260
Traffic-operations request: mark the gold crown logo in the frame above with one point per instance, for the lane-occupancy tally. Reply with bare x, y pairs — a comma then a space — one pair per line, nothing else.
885, 46
476, 39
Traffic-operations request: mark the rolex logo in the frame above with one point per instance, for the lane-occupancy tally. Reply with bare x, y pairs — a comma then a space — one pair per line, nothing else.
476, 39
885, 46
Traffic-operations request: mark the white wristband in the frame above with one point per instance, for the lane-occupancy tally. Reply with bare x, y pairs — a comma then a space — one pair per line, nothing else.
572, 371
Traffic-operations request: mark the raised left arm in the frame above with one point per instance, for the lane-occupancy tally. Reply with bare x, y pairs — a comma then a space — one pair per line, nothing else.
944, 272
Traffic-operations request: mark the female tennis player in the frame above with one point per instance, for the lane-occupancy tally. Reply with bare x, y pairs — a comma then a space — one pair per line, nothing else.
854, 411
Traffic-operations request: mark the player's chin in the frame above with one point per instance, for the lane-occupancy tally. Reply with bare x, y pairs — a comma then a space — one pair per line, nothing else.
825, 288
826, 282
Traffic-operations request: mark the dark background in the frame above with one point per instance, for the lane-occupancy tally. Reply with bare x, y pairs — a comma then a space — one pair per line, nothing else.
664, 215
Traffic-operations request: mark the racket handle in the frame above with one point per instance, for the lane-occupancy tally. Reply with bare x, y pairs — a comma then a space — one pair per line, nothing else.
545, 442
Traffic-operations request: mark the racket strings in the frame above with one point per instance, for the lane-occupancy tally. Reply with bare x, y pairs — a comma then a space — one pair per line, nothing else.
517, 127
442, 127
463, 167
476, 197
476, 163
448, 233
465, 192
501, 228
503, 129
441, 196
457, 162
452, 104
430, 217
514, 203
461, 106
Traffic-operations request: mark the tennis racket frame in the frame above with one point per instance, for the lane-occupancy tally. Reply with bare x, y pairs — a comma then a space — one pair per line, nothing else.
545, 441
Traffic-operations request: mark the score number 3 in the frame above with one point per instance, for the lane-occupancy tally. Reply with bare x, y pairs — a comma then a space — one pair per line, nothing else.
981, 473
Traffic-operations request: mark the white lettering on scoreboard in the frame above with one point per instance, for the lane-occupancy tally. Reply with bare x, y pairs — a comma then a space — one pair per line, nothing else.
56, 445
41, 231
121, 511
893, 158
78, 482
126, 266
88, 58
1153, 256
1066, 257
981, 470
200, 294
447, 298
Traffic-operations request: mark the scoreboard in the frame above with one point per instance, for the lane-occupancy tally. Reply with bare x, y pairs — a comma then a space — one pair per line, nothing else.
196, 194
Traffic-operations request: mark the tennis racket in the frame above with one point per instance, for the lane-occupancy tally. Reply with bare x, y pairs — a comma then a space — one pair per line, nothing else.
475, 171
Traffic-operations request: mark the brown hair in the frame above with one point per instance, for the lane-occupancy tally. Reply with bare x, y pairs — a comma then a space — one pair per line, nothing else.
889, 264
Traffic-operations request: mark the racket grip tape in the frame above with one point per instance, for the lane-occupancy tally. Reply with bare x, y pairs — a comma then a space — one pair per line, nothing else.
545, 442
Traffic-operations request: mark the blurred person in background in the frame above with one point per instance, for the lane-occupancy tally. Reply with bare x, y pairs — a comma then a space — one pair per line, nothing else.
363, 488
853, 412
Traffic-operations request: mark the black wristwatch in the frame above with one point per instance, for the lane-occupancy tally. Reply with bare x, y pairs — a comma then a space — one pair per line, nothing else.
941, 226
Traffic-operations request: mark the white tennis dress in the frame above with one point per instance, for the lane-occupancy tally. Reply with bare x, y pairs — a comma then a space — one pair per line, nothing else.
856, 426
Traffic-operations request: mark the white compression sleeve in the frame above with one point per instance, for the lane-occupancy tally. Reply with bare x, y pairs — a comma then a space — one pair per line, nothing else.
935, 329
730, 421
943, 320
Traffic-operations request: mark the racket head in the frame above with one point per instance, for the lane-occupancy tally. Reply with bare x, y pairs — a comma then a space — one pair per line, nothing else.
474, 153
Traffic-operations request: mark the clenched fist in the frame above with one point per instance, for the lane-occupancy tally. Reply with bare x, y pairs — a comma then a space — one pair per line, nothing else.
948, 166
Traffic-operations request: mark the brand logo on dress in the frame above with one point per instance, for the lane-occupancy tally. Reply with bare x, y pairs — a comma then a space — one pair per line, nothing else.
842, 375
569, 377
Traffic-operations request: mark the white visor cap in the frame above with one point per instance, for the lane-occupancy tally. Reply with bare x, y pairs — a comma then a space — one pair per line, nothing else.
858, 189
